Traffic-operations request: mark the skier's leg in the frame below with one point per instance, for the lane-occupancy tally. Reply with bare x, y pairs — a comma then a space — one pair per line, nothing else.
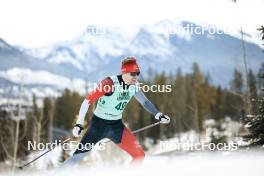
73, 160
130, 144
94, 134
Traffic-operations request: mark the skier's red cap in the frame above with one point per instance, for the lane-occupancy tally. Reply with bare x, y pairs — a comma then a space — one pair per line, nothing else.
129, 64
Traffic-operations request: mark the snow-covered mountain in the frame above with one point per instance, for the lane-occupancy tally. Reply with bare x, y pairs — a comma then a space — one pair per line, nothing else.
22, 75
97, 52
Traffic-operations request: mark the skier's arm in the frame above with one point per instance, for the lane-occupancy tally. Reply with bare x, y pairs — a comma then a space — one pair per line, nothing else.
89, 99
83, 110
92, 97
142, 99
104, 88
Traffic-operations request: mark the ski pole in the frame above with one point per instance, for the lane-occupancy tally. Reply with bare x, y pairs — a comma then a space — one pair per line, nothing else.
141, 129
134, 132
21, 167
146, 127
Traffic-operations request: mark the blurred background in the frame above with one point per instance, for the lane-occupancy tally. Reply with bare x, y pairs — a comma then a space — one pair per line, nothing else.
51, 52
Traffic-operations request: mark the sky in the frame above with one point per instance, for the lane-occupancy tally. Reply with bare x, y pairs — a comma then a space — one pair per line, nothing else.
36, 23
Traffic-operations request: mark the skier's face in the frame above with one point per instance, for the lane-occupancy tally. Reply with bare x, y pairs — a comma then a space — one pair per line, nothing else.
130, 78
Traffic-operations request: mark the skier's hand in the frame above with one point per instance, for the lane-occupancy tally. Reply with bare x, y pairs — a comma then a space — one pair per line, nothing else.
76, 131
162, 118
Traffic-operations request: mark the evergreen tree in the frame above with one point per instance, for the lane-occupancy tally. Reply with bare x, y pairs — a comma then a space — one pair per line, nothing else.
218, 109
237, 102
191, 115
197, 82
252, 91
237, 82
66, 109
179, 102
36, 121
255, 125
47, 119
255, 122
261, 29
261, 77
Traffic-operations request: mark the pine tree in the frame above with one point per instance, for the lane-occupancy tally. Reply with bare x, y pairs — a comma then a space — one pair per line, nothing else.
179, 103
261, 77
218, 111
197, 84
236, 100
237, 82
252, 91
47, 119
255, 122
255, 125
36, 121
66, 109
191, 115
261, 29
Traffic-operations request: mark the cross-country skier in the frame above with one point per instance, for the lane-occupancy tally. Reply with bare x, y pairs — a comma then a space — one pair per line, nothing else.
112, 95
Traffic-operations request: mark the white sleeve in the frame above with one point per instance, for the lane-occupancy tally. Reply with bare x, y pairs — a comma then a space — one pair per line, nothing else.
83, 110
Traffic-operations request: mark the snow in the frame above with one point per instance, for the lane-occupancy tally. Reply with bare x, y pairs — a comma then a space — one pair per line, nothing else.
3, 44
113, 161
110, 41
152, 40
153, 45
169, 27
65, 57
45, 162
28, 77
242, 163
107, 42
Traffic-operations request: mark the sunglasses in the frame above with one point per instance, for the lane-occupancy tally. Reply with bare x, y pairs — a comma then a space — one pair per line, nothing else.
134, 73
